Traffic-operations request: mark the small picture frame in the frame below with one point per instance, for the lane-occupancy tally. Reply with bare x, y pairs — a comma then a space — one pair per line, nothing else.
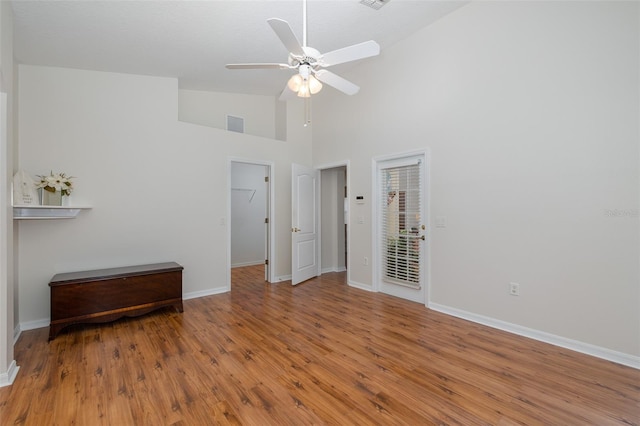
25, 192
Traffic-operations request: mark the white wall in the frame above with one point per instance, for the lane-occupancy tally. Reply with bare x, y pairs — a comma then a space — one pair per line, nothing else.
211, 109
248, 212
332, 220
157, 186
8, 368
530, 111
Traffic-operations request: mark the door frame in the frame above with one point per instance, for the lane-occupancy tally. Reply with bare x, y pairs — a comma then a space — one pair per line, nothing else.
375, 214
271, 251
327, 166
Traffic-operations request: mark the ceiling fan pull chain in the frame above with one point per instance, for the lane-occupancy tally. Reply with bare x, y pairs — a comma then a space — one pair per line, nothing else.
307, 111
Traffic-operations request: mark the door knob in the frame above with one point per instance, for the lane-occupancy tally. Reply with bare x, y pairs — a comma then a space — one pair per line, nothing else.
295, 229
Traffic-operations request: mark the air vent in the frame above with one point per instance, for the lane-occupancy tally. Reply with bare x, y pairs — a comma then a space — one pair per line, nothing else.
374, 4
235, 124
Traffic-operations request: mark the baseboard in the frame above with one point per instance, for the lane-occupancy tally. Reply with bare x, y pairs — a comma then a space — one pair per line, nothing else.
203, 293
254, 263
333, 269
7, 378
574, 345
283, 278
361, 286
16, 334
32, 325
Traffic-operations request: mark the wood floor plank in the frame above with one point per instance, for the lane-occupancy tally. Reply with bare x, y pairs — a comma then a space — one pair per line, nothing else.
320, 353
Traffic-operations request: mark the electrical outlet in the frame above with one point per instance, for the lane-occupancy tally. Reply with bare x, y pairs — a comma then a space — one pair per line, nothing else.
514, 289
365, 261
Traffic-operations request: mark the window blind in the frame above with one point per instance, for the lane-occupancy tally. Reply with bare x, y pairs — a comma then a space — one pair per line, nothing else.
400, 223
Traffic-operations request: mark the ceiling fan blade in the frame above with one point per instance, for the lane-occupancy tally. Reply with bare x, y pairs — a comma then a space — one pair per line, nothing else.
350, 53
337, 82
257, 66
286, 36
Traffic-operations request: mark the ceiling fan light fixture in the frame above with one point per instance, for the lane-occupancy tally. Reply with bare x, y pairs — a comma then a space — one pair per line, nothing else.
304, 91
295, 82
304, 87
314, 85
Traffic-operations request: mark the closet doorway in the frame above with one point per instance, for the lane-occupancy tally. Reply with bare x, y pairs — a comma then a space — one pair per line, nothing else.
249, 218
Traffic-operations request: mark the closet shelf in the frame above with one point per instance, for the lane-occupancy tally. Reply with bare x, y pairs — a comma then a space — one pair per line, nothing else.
47, 212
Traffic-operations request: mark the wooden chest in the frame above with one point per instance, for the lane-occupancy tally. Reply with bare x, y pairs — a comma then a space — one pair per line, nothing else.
108, 294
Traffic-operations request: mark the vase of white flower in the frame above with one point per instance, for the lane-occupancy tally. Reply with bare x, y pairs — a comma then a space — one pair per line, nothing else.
54, 187
51, 198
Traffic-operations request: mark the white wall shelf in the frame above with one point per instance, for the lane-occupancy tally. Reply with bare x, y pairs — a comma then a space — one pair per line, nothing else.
47, 212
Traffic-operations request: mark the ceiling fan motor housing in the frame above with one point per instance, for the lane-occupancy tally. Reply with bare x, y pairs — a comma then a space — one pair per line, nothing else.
310, 57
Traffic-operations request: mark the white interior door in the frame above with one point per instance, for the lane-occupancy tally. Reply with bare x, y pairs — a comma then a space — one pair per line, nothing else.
305, 195
402, 227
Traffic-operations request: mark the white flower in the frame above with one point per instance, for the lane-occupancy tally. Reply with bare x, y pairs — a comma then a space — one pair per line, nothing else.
58, 182
54, 182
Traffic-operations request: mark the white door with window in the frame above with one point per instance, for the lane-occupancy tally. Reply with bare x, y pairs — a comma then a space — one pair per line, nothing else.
305, 203
402, 227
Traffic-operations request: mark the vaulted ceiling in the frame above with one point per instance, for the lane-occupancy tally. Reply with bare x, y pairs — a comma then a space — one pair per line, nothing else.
193, 40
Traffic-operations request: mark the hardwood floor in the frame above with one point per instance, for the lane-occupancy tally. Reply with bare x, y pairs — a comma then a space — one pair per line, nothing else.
319, 353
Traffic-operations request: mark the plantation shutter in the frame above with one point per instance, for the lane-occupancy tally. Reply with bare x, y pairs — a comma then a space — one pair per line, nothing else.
400, 224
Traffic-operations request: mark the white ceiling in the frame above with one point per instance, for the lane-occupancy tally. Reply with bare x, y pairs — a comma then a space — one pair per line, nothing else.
193, 40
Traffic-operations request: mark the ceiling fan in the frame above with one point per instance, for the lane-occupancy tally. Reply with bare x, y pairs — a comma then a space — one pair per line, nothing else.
309, 63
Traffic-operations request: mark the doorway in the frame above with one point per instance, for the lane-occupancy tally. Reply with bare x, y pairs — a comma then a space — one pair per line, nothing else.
334, 227
249, 216
319, 220
401, 226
